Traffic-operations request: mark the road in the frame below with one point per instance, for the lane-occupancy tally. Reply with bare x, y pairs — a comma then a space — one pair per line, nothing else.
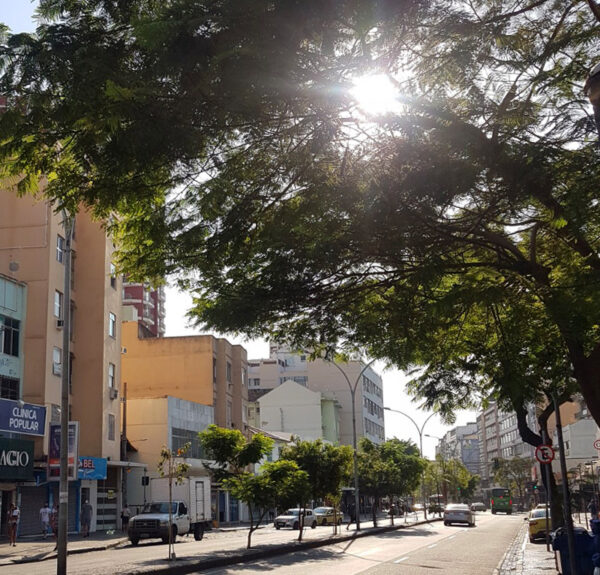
434, 548
414, 550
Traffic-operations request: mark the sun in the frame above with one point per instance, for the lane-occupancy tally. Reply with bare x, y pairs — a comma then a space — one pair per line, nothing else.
375, 95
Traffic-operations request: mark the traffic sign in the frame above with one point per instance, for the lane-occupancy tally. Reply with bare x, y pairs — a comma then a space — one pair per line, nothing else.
544, 453
597, 444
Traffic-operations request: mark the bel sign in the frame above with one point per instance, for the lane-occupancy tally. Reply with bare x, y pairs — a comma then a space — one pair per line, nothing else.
19, 417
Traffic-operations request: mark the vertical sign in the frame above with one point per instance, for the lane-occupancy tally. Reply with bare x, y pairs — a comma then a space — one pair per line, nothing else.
54, 452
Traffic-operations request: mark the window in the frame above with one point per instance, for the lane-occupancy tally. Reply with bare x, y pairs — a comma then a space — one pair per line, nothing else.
73, 269
57, 361
244, 376
179, 437
58, 304
112, 325
254, 382
111, 375
229, 414
228, 372
60, 249
111, 427
9, 387
72, 321
113, 276
9, 336
214, 370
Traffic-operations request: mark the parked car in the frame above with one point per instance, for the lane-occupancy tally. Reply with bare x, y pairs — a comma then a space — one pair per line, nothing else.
291, 518
458, 513
478, 506
327, 515
417, 507
537, 523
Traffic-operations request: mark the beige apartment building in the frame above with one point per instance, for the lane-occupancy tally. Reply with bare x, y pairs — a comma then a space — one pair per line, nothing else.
32, 243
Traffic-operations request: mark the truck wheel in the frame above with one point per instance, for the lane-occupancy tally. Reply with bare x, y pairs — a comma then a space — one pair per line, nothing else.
173, 535
198, 532
134, 541
314, 525
324, 523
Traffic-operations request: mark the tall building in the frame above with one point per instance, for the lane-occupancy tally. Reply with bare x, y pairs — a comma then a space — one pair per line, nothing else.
499, 439
462, 443
321, 376
146, 305
32, 253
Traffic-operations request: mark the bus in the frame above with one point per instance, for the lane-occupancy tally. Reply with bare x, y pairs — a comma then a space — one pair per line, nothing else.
500, 500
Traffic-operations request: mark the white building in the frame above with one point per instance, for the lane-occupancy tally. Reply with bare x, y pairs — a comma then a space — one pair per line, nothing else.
321, 376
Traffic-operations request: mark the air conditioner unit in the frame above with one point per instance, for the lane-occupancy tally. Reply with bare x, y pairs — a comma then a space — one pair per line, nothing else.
60, 323
113, 393
56, 368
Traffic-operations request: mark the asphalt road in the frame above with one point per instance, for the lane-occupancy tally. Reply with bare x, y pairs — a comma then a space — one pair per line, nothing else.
434, 548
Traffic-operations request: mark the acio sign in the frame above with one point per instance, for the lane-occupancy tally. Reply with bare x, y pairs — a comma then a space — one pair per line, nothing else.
16, 459
18, 417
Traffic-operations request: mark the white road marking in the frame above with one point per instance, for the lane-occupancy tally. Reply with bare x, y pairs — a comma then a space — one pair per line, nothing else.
431, 546
452, 537
401, 559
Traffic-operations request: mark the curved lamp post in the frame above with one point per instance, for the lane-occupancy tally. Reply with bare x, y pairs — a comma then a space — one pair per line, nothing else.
420, 432
353, 387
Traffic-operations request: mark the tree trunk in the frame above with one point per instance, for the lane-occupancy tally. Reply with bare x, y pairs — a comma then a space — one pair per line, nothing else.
587, 373
374, 510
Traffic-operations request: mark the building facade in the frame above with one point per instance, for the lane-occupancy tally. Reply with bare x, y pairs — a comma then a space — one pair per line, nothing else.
32, 252
146, 305
462, 443
321, 376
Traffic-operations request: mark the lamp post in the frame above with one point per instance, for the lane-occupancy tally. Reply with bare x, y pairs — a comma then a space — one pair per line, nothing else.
420, 432
353, 388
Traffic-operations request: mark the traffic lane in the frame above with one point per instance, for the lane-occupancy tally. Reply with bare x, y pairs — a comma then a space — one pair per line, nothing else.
469, 551
150, 554
356, 556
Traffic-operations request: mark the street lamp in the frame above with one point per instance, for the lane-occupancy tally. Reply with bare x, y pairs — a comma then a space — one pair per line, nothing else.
420, 432
353, 388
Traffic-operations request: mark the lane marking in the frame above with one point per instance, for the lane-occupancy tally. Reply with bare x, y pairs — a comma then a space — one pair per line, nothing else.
452, 537
401, 559
431, 546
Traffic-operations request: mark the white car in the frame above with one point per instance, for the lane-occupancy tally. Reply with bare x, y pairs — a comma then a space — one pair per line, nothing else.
458, 513
291, 518
327, 516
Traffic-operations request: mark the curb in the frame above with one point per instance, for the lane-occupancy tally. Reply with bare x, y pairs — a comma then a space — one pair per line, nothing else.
52, 554
512, 548
203, 564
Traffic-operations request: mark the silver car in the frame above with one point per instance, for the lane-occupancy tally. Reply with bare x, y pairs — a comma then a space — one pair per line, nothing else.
327, 516
458, 513
291, 518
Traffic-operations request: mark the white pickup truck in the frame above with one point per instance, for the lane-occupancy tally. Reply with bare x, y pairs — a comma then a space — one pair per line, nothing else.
190, 511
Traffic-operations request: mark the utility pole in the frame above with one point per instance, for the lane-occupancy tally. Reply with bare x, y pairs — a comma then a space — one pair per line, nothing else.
124, 446
63, 490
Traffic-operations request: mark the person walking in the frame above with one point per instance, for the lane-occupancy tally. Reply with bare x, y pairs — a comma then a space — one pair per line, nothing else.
54, 524
593, 509
13, 516
45, 513
86, 518
125, 515
351, 510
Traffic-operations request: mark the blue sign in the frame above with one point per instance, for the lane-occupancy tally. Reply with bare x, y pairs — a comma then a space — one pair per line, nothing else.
91, 468
18, 417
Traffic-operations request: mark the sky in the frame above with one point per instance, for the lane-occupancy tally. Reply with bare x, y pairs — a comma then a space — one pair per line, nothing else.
17, 14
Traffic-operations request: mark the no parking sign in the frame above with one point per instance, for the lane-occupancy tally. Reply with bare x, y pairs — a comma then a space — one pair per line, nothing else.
544, 453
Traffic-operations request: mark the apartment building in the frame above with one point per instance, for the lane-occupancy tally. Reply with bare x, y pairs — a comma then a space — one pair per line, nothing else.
325, 378
146, 305
32, 253
462, 443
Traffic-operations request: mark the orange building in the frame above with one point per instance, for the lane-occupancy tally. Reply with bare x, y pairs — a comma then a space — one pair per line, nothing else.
32, 243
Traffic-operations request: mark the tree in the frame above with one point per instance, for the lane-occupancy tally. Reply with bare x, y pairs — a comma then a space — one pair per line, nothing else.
295, 217
392, 469
279, 483
175, 470
231, 455
514, 473
329, 468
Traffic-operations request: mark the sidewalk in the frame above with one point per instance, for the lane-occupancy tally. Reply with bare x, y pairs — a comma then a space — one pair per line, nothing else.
35, 548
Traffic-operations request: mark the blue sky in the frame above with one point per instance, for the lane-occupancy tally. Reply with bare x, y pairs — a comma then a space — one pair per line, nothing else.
17, 14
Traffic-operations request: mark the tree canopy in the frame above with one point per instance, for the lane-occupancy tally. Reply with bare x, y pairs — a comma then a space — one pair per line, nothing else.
227, 137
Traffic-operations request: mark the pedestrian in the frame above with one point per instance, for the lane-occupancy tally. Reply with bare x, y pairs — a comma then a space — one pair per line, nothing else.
351, 510
13, 521
86, 518
54, 524
125, 515
593, 509
45, 513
